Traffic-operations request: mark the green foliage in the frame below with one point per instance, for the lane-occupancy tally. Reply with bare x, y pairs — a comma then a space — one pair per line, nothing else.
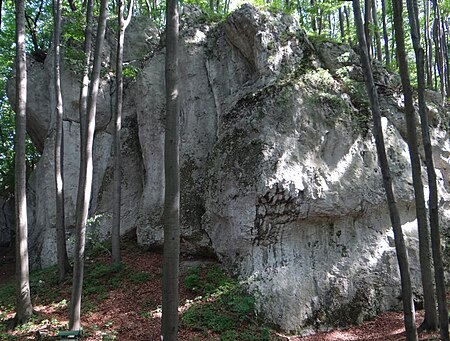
223, 306
101, 277
130, 72
140, 277
72, 41
7, 298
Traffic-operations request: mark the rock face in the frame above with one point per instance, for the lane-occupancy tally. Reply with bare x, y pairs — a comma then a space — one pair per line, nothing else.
279, 173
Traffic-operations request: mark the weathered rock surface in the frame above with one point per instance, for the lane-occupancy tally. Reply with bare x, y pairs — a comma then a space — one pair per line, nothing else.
278, 166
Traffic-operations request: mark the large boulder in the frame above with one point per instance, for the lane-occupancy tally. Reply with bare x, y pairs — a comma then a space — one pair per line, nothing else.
279, 174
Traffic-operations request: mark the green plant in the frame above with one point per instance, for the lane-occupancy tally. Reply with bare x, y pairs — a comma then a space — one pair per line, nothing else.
7, 295
223, 306
130, 72
139, 277
207, 317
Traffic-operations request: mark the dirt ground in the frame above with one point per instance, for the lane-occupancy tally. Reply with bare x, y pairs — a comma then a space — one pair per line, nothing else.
120, 313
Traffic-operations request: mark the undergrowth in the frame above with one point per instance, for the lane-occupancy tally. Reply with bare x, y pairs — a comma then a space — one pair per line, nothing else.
221, 310
222, 307
100, 278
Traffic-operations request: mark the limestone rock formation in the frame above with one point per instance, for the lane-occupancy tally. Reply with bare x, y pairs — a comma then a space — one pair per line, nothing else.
278, 165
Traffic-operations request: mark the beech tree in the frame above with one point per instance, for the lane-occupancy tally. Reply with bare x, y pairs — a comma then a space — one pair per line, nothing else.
433, 191
24, 309
115, 233
87, 120
80, 224
387, 57
172, 179
430, 321
61, 250
402, 256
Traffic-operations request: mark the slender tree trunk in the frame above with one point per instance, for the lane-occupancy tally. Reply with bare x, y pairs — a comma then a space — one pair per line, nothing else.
1, 6
86, 173
367, 19
330, 26
78, 267
24, 309
433, 191
445, 54
430, 321
115, 234
172, 179
376, 30
437, 37
347, 20
402, 256
428, 45
313, 16
341, 23
413, 13
320, 21
61, 250
387, 55
299, 13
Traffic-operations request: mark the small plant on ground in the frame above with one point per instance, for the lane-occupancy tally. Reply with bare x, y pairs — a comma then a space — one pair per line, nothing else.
223, 307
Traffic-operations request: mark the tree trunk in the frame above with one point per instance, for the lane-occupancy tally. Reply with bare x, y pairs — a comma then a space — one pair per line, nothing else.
387, 56
367, 18
428, 45
172, 179
86, 172
78, 266
376, 30
115, 233
402, 256
320, 21
1, 6
341, 23
24, 309
347, 20
313, 16
433, 190
330, 26
445, 54
430, 321
437, 37
61, 250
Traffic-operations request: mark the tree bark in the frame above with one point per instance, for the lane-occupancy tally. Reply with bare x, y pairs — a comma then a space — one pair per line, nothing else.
80, 230
428, 45
387, 55
341, 23
376, 30
430, 321
367, 19
115, 233
172, 179
61, 250
86, 171
313, 16
24, 309
433, 190
437, 37
402, 256
1, 6
347, 20
445, 55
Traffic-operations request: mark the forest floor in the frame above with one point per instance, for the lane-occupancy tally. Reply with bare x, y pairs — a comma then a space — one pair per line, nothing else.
124, 303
